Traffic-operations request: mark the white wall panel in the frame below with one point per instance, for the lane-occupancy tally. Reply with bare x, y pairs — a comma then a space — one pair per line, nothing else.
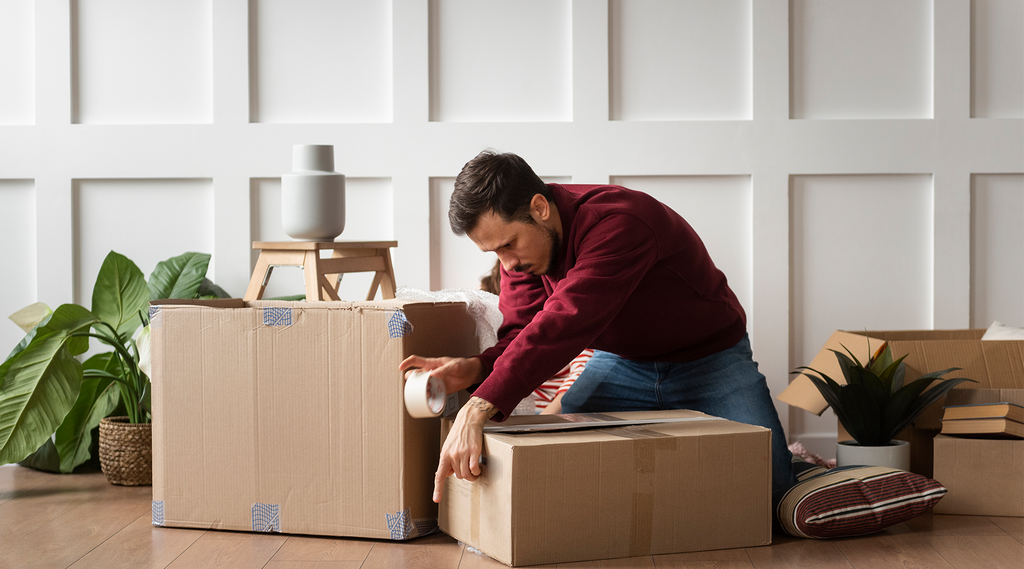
862, 254
997, 249
864, 59
17, 62
142, 63
997, 58
146, 220
680, 59
18, 257
369, 216
500, 61
320, 62
719, 209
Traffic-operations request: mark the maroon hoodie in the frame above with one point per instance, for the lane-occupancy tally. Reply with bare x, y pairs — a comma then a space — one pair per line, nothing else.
632, 278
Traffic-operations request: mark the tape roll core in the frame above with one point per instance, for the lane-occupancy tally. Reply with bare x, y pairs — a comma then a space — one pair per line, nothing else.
425, 395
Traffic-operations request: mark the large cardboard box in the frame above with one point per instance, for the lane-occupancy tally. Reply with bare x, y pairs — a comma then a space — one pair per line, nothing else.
289, 416
693, 483
985, 477
994, 364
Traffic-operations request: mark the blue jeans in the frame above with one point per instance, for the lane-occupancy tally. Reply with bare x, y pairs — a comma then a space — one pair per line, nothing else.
726, 384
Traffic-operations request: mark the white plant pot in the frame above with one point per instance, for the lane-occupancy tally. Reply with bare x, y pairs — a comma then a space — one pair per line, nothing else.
894, 455
313, 195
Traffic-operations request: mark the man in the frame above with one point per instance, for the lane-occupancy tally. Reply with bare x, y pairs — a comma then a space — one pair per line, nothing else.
602, 267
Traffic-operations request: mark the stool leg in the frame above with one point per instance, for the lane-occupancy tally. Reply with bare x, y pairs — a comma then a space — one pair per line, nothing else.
259, 277
387, 284
311, 269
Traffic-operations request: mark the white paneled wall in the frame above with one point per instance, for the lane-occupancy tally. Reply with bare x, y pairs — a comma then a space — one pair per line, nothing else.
848, 164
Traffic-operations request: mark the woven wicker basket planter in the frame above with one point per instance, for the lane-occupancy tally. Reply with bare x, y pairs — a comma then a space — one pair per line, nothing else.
126, 451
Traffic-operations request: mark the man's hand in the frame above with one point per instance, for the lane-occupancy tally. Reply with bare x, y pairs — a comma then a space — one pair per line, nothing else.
460, 454
457, 373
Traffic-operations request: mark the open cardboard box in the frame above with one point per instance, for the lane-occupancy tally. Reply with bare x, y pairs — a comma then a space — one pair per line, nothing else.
993, 364
691, 482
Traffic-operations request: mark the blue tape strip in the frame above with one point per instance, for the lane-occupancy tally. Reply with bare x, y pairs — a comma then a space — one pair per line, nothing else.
266, 517
398, 325
400, 525
158, 512
277, 316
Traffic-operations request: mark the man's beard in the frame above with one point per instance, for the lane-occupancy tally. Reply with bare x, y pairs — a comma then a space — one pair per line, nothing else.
553, 255
555, 251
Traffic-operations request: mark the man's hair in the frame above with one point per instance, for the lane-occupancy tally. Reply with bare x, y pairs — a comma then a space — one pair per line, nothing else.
502, 183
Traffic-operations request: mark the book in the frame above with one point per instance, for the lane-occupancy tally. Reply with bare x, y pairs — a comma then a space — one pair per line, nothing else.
992, 427
1005, 410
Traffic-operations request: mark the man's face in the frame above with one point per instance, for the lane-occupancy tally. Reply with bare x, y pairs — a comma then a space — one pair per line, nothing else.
521, 247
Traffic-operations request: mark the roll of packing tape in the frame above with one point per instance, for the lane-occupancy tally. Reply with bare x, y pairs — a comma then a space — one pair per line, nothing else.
425, 395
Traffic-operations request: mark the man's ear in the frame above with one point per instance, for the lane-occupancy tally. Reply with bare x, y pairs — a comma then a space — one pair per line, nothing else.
540, 208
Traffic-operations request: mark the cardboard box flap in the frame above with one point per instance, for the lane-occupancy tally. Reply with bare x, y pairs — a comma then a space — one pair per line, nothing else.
991, 364
572, 423
803, 394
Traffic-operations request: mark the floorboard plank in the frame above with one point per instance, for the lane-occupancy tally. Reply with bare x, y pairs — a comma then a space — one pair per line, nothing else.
16, 478
141, 545
939, 525
313, 565
1014, 527
35, 498
472, 559
721, 559
787, 552
974, 551
891, 550
301, 548
69, 536
437, 551
227, 553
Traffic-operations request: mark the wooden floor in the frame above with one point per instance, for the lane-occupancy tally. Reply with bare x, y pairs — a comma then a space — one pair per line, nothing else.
54, 521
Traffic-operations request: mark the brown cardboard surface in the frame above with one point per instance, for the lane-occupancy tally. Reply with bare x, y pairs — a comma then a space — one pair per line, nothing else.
994, 364
698, 484
957, 396
985, 477
289, 416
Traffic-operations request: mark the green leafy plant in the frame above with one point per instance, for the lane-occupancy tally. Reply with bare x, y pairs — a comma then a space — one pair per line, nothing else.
875, 404
50, 402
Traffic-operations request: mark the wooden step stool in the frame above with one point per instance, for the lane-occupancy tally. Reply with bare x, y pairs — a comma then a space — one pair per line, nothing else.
322, 274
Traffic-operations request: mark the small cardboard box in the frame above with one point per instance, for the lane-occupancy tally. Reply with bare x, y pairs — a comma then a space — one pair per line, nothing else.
994, 364
289, 416
985, 477
691, 483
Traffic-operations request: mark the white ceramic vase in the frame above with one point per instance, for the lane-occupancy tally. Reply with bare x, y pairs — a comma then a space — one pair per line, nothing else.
894, 455
313, 195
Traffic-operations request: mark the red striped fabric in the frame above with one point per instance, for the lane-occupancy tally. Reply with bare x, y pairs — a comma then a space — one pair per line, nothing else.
857, 500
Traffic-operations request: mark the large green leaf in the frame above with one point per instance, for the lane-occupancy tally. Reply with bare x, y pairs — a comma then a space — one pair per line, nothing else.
41, 386
45, 458
96, 400
67, 316
120, 293
209, 289
179, 277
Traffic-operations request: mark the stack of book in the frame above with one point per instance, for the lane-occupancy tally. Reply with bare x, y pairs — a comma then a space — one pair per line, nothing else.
991, 420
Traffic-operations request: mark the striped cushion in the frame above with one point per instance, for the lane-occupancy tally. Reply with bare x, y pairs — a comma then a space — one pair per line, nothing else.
855, 500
